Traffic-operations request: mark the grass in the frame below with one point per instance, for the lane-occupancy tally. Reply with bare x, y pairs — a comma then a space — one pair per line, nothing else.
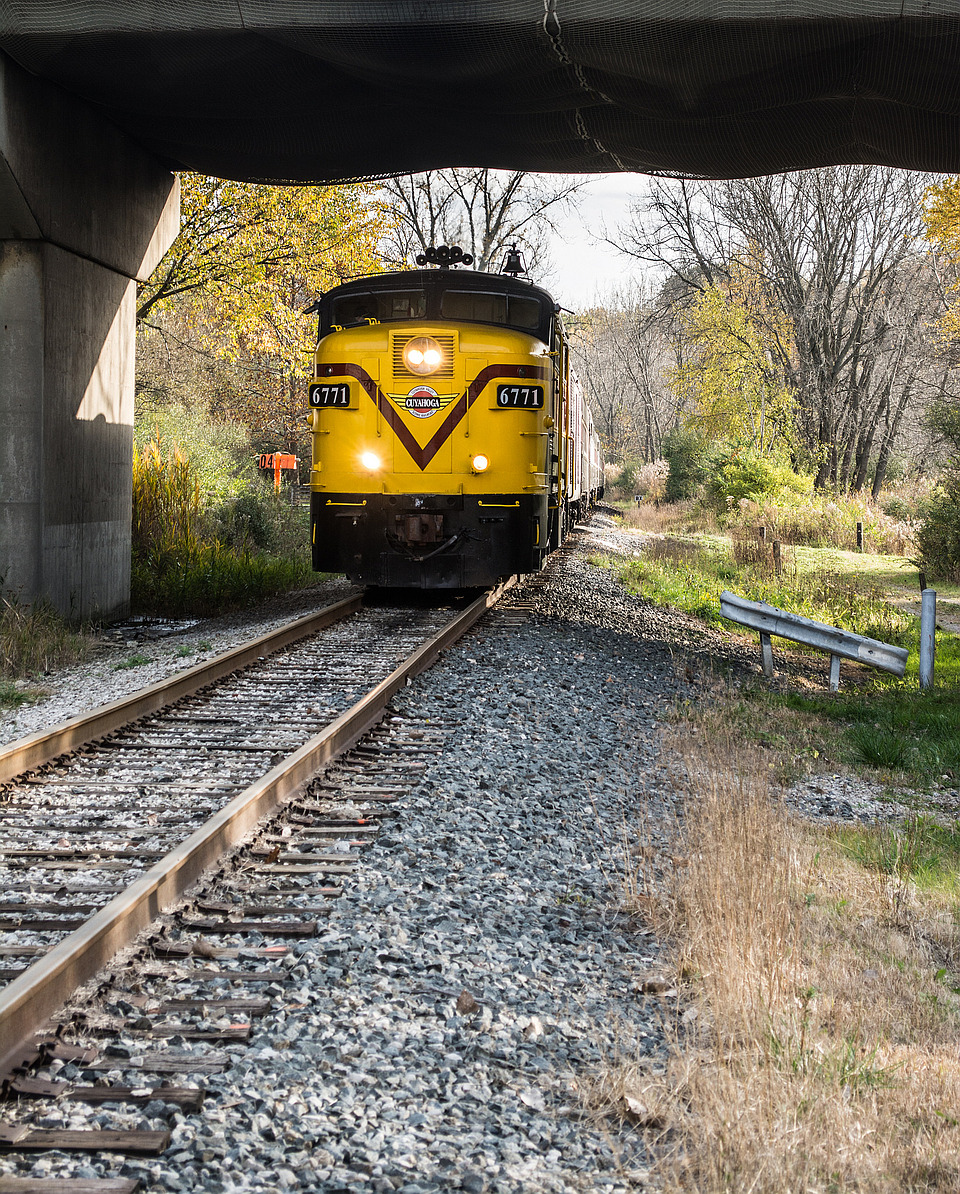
12, 696
875, 720
132, 662
814, 1045
891, 726
213, 578
921, 852
691, 575
817, 1048
34, 639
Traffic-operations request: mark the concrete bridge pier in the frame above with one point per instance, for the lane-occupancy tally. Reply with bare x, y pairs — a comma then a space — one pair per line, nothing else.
84, 214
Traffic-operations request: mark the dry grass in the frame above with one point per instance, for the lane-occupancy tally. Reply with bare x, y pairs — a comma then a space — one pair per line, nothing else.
818, 1046
672, 518
34, 639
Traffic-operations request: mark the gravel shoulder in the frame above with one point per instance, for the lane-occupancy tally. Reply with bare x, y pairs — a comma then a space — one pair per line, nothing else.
501, 881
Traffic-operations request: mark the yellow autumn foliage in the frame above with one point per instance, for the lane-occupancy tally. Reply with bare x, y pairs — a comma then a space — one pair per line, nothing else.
729, 381
941, 210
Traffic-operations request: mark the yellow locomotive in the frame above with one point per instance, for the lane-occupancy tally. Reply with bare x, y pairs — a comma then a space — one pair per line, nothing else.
451, 443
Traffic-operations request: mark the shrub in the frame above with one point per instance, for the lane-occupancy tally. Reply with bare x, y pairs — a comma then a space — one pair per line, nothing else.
749, 475
939, 536
260, 518
219, 453
824, 520
652, 480
180, 563
691, 458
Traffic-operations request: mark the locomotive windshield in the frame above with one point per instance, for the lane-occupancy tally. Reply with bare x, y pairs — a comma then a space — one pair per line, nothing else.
508, 310
382, 305
460, 297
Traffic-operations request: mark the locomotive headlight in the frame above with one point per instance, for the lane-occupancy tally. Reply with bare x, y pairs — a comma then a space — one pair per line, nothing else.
480, 464
422, 355
371, 461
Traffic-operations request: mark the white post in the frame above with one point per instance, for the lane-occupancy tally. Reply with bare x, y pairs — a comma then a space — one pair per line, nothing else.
928, 623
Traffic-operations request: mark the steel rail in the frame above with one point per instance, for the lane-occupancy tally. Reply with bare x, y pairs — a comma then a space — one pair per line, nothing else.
46, 745
27, 1002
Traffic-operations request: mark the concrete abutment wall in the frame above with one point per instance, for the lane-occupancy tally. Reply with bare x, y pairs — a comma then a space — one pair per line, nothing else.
84, 214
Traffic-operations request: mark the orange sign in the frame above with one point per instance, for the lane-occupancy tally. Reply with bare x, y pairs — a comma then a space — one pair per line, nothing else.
276, 461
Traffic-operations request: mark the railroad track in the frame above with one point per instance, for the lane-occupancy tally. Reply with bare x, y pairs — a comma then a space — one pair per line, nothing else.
70, 906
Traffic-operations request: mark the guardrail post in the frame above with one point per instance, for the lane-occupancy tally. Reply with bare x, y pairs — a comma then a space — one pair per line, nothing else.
767, 620
766, 649
928, 626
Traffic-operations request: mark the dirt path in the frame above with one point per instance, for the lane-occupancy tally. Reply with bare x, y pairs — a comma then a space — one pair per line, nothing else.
948, 610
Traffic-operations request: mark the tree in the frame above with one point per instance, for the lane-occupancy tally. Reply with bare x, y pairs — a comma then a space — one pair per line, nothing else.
483, 211
234, 285
622, 352
846, 294
731, 382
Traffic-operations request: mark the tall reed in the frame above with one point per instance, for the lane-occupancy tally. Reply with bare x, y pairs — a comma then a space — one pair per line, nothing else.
166, 504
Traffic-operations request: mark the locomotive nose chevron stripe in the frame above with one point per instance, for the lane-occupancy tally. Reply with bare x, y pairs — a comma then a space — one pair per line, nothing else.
421, 457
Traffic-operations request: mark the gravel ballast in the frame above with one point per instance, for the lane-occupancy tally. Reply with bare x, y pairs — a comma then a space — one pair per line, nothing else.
443, 1030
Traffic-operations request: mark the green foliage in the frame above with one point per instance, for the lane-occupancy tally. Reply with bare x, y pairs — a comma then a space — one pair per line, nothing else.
233, 287
744, 474
939, 535
691, 458
731, 382
181, 565
938, 538
219, 452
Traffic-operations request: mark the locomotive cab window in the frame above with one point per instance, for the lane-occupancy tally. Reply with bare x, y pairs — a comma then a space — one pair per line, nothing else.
382, 306
505, 310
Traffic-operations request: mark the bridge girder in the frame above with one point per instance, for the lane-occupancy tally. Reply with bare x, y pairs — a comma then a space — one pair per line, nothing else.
320, 90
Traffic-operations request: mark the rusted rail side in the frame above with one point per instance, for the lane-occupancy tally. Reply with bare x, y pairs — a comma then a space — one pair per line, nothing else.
27, 1002
32, 751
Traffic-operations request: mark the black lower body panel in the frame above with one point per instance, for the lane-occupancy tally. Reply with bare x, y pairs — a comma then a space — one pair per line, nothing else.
428, 541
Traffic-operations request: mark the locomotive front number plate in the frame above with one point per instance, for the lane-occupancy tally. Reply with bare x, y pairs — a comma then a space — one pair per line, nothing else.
326, 393
530, 397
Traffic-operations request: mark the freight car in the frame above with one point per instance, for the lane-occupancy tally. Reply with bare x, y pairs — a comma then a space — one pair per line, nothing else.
452, 446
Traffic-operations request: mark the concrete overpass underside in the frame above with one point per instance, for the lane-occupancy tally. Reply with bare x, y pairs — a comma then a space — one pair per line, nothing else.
100, 103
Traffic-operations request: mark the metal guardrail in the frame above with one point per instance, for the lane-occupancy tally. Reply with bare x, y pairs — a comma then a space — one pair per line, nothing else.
768, 620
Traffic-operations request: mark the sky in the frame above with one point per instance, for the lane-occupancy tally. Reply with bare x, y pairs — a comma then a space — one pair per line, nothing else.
585, 269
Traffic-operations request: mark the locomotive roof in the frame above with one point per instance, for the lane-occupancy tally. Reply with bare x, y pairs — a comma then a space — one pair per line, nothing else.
434, 283
443, 279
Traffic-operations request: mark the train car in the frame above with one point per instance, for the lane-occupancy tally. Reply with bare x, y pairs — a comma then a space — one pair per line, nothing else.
451, 443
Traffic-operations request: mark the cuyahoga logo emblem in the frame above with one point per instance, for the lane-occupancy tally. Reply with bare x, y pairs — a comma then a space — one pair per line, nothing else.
423, 401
